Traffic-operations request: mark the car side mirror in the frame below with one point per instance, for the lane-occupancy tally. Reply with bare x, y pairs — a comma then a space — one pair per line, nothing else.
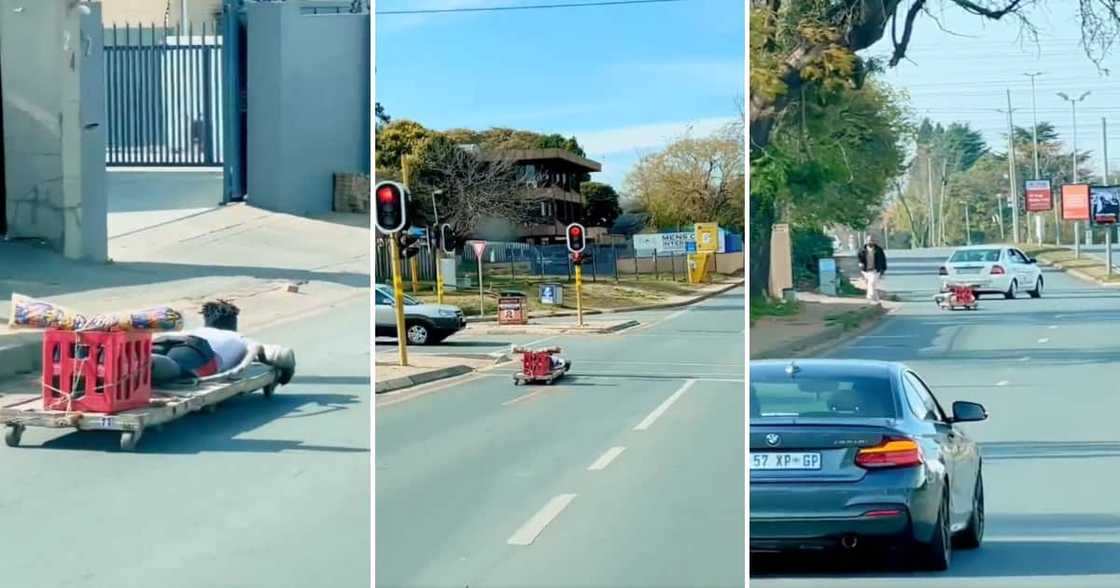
1032, 260
968, 412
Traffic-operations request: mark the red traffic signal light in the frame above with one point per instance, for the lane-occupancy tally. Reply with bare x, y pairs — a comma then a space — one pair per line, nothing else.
392, 207
576, 240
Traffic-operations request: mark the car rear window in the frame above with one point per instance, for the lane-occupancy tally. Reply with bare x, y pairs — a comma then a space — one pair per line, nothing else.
975, 255
831, 397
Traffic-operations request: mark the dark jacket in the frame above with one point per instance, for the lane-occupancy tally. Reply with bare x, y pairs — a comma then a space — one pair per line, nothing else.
879, 263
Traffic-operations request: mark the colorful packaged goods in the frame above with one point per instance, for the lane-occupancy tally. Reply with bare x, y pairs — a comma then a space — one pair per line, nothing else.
29, 313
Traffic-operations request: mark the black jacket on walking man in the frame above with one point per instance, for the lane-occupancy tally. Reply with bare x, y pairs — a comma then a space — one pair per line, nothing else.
878, 261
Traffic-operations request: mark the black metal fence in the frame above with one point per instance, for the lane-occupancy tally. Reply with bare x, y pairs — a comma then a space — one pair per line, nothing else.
163, 96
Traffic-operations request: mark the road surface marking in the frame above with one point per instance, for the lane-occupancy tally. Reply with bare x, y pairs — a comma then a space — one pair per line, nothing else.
1052, 327
664, 406
605, 459
529, 531
537, 342
520, 398
1002, 383
1044, 340
1027, 358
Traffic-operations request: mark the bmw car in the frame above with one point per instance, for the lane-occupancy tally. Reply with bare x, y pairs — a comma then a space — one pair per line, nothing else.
993, 269
852, 454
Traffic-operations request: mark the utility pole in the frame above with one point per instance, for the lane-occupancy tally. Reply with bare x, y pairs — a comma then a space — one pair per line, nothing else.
1037, 173
929, 174
1076, 224
183, 12
1011, 172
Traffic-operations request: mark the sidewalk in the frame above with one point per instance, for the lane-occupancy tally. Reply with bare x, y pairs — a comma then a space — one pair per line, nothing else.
820, 323
276, 267
699, 294
423, 369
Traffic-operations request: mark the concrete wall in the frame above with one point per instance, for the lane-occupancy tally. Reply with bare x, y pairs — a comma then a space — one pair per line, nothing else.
43, 52
725, 263
308, 105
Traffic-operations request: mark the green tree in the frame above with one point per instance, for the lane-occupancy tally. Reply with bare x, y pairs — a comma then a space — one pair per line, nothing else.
398, 139
693, 180
600, 202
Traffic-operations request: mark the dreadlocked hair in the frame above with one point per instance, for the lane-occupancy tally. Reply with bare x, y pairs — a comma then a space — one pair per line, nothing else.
220, 314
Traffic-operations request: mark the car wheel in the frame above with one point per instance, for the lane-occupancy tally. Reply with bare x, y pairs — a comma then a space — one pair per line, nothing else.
1011, 289
1037, 292
973, 534
935, 555
418, 334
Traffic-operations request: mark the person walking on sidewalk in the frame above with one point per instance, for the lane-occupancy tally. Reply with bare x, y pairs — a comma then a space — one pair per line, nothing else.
873, 264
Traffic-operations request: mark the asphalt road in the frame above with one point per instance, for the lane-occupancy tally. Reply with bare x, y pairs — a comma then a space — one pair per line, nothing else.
627, 472
262, 493
1046, 370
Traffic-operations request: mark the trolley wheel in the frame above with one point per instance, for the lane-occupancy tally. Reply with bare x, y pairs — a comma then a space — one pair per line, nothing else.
129, 439
12, 435
268, 390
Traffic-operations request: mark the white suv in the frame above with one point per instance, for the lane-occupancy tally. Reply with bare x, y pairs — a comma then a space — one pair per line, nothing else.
425, 324
994, 269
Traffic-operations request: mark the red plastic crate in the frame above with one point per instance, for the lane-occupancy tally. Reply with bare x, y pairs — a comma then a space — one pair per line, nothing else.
536, 364
97, 371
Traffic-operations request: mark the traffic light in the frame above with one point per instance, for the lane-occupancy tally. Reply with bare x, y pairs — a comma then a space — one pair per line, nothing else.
576, 238
409, 245
392, 207
446, 238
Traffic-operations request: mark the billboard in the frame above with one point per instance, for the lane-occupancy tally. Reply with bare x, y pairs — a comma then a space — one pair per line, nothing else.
1038, 196
1075, 202
1105, 201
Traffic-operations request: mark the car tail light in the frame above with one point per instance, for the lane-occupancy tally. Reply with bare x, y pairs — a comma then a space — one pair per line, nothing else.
997, 270
893, 452
878, 514
942, 271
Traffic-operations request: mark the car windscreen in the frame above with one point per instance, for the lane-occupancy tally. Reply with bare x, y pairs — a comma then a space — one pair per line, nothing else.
823, 397
975, 256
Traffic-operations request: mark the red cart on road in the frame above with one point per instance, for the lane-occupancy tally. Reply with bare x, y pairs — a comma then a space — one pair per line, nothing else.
540, 365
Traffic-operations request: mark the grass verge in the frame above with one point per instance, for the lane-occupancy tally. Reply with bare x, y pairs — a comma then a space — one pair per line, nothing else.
1065, 257
601, 294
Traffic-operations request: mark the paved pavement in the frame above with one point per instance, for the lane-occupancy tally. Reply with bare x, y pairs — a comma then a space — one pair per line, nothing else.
1046, 370
265, 494
628, 472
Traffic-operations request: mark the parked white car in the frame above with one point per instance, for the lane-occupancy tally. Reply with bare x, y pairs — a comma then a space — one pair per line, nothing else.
994, 269
425, 324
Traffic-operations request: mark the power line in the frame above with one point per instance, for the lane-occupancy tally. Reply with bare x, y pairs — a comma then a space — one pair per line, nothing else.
529, 7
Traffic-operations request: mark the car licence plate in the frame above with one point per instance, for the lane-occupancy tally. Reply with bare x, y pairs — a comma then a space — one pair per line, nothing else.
967, 270
785, 461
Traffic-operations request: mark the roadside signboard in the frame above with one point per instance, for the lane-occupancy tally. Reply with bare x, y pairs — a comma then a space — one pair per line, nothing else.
707, 237
690, 247
663, 243
1105, 201
1038, 196
511, 310
479, 248
1075, 202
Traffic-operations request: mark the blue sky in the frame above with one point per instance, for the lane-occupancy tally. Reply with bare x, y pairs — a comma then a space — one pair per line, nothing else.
964, 76
623, 79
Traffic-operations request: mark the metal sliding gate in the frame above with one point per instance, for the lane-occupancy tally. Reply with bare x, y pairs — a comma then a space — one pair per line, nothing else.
164, 96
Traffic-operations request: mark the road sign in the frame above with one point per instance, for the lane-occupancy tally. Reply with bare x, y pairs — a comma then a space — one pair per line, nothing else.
1075, 202
1105, 201
707, 237
690, 247
1038, 195
479, 248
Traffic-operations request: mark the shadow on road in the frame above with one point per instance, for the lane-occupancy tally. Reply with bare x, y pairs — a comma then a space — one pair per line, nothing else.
218, 432
995, 559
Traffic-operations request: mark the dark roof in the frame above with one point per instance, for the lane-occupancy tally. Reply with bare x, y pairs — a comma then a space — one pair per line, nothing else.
526, 155
773, 369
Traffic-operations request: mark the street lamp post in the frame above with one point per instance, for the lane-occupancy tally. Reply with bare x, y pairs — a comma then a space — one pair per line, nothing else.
1076, 225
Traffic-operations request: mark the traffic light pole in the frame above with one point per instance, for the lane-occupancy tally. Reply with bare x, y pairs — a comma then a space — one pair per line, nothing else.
414, 266
398, 300
579, 294
439, 276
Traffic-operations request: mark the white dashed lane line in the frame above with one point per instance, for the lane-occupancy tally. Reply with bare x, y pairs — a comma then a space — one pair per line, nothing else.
531, 529
664, 406
605, 459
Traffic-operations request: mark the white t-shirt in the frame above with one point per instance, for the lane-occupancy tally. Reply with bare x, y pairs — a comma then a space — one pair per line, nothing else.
230, 347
